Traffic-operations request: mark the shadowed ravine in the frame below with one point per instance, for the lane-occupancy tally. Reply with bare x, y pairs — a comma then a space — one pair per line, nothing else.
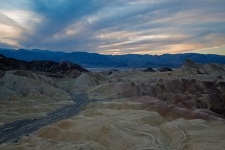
11, 132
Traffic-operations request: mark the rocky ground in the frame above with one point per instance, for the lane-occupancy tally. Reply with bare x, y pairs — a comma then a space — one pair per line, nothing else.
119, 110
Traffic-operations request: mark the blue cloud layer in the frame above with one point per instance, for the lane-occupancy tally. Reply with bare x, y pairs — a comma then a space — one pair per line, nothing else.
115, 27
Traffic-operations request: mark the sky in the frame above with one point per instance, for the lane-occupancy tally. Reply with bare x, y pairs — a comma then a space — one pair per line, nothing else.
114, 26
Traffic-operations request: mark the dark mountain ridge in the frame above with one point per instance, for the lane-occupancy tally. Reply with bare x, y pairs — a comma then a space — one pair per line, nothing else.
94, 60
38, 65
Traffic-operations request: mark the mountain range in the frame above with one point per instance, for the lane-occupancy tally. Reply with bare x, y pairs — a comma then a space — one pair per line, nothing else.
95, 60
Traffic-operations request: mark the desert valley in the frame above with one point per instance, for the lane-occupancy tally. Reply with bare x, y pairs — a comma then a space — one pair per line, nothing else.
49, 105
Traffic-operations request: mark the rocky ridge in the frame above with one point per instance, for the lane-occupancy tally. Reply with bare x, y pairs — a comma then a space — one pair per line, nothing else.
50, 67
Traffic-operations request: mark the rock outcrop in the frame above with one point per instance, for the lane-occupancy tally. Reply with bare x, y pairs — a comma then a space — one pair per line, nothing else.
149, 69
196, 68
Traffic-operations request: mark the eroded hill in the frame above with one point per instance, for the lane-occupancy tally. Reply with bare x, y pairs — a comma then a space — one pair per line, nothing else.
180, 109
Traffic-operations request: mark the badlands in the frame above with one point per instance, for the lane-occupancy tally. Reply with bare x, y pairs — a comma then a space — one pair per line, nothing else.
56, 108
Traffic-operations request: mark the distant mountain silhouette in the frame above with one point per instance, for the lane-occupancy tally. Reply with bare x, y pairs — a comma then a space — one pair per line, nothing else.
124, 61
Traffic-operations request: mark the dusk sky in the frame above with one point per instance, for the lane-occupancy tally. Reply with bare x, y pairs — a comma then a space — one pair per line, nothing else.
114, 26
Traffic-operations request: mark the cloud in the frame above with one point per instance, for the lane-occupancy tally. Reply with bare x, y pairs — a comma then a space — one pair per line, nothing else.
115, 27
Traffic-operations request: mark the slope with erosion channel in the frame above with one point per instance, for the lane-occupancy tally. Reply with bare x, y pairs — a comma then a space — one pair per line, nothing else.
14, 130
26, 98
135, 110
29, 90
122, 126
